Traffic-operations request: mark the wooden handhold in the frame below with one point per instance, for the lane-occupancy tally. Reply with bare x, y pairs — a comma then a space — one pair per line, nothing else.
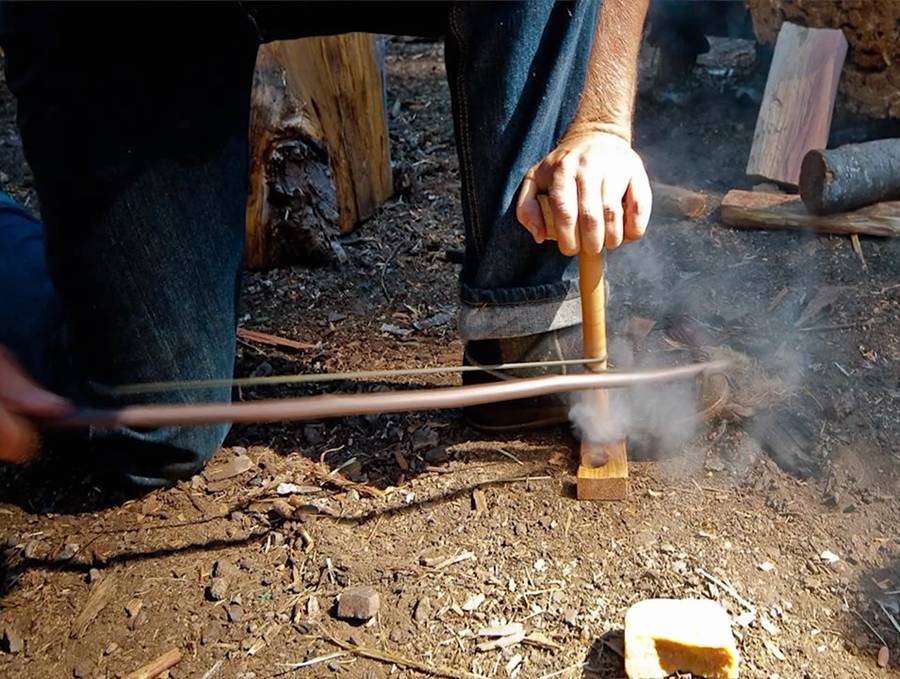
798, 101
761, 210
851, 176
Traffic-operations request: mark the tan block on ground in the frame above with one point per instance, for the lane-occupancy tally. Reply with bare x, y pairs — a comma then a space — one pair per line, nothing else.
663, 636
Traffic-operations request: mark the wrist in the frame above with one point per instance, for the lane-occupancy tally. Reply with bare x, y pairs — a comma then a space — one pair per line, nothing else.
586, 127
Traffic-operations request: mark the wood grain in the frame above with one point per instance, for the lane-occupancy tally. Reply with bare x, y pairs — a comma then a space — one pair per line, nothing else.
601, 468
319, 158
763, 210
798, 101
608, 481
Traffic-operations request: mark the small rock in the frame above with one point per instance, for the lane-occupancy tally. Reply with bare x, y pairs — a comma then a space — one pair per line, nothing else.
217, 589
284, 509
138, 621
234, 612
209, 634
93, 575
395, 330
423, 610
884, 657
111, 648
68, 552
312, 607
358, 603
423, 438
312, 434
264, 369
336, 317
12, 641
35, 550
570, 617
437, 455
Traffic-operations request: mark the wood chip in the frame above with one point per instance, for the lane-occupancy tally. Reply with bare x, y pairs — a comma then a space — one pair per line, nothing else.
273, 340
294, 489
473, 602
501, 642
236, 466
638, 328
825, 297
156, 667
462, 556
774, 650
768, 625
541, 640
479, 501
100, 595
514, 663
134, 606
501, 630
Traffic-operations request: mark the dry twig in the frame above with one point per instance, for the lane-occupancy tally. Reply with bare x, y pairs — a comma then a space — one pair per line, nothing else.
387, 657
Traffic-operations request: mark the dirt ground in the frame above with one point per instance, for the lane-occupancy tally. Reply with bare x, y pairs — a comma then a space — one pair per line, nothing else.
785, 510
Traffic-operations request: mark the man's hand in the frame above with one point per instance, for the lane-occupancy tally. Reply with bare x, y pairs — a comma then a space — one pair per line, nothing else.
20, 398
598, 190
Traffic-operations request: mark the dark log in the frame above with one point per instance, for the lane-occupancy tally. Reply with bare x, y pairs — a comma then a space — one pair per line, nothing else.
851, 176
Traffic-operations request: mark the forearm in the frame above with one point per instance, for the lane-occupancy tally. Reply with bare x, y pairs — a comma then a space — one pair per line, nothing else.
607, 102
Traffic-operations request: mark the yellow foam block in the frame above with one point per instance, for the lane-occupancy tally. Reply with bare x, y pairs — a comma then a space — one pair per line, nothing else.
663, 636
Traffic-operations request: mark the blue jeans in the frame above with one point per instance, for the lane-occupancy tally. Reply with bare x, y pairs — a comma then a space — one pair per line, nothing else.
134, 120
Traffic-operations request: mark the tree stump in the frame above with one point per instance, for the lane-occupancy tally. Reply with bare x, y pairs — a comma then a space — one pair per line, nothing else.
319, 158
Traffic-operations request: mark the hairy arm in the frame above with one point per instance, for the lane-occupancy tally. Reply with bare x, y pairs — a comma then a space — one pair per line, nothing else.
611, 83
596, 183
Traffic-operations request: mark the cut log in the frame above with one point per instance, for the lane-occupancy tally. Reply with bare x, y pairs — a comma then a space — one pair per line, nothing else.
851, 176
319, 161
674, 201
798, 101
759, 210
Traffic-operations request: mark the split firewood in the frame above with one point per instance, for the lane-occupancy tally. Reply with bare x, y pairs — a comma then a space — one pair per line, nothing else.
795, 115
851, 176
758, 210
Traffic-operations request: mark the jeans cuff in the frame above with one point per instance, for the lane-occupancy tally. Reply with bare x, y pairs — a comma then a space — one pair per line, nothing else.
499, 321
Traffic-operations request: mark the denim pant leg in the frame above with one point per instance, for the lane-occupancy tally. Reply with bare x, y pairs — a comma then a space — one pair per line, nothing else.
30, 319
516, 72
139, 151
